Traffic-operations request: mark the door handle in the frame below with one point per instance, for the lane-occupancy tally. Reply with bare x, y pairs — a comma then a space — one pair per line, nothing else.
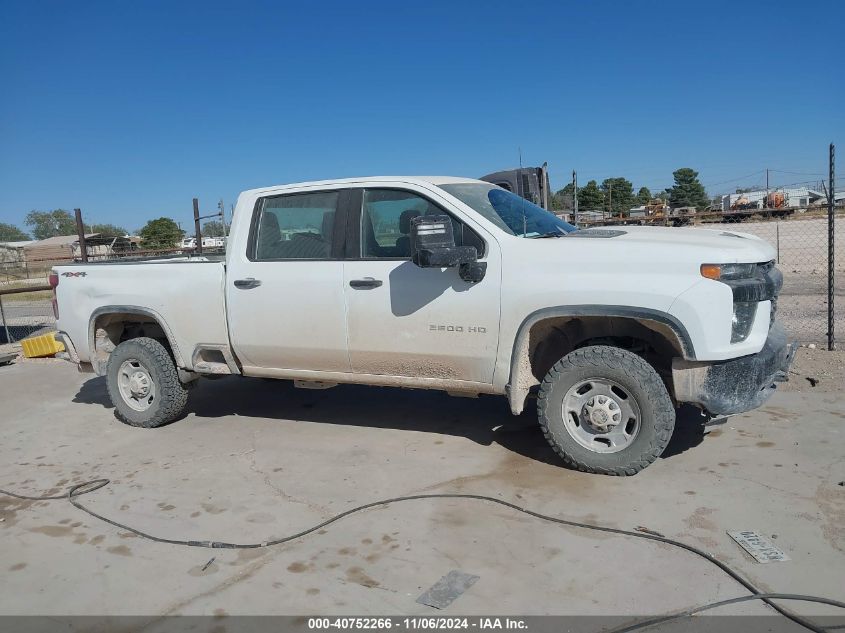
246, 284
367, 282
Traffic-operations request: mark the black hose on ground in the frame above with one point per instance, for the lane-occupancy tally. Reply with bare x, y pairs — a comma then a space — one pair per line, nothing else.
95, 484
663, 619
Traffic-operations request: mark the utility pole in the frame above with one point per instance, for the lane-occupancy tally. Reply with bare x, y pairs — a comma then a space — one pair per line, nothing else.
222, 208
610, 198
574, 196
197, 232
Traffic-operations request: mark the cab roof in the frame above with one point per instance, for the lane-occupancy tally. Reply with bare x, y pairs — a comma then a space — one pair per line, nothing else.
420, 180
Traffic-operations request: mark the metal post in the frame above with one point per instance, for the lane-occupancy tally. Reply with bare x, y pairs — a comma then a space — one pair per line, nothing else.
574, 196
80, 232
777, 231
222, 208
197, 231
5, 325
544, 185
766, 204
831, 202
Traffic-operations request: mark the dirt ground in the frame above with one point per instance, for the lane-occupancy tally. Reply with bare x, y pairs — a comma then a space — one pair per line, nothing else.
816, 370
255, 459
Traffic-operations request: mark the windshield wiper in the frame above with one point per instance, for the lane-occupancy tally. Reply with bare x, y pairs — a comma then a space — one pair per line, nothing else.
545, 235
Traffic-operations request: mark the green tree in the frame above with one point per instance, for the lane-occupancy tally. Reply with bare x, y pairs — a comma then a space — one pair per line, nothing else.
106, 230
643, 195
11, 233
160, 233
590, 197
50, 223
213, 229
688, 191
563, 198
618, 195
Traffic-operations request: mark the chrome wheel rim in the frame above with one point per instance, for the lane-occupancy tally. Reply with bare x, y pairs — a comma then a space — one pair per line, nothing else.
601, 415
136, 385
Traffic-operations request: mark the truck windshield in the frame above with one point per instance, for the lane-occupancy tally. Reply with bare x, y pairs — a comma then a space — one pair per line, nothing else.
509, 211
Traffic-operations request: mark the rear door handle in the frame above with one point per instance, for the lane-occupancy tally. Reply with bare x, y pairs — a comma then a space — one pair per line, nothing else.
367, 282
249, 282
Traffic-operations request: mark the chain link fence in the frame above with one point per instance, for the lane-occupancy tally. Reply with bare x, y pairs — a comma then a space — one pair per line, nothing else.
801, 242
25, 309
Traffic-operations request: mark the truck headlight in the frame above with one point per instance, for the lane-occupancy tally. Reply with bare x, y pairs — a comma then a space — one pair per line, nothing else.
742, 321
727, 272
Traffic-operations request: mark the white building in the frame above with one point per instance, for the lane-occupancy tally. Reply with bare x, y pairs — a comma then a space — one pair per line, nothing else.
12, 252
800, 197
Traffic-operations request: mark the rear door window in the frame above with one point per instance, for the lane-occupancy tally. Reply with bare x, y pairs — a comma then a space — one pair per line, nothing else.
296, 226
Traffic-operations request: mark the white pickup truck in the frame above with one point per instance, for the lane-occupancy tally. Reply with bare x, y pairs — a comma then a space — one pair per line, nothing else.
444, 283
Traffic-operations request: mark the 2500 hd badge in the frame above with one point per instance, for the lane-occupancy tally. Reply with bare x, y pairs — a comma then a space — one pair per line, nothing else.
471, 329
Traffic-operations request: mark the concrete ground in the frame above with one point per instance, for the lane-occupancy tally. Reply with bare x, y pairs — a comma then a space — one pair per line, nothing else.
259, 459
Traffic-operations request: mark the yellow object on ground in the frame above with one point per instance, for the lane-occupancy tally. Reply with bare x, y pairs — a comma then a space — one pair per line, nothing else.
44, 345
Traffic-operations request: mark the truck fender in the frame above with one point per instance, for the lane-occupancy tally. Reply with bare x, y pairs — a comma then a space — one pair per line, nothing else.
140, 311
521, 378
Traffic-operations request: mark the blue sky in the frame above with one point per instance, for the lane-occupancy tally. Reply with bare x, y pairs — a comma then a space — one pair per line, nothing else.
129, 109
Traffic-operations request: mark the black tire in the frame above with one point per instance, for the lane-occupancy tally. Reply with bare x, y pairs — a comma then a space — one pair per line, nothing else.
169, 397
637, 378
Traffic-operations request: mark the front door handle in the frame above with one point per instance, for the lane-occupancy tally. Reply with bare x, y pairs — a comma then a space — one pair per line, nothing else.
367, 282
249, 282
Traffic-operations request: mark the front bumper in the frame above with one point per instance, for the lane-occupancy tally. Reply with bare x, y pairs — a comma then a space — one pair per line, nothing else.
736, 385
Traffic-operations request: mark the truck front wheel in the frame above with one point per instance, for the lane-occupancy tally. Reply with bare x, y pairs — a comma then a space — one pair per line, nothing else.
143, 383
605, 410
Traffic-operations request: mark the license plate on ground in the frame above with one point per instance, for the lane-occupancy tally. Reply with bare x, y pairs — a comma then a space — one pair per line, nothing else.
761, 548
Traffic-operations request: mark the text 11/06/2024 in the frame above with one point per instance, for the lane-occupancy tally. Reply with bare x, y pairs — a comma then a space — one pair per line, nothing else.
416, 623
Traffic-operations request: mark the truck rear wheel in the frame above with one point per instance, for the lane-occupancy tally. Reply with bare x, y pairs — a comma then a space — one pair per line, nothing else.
605, 410
143, 383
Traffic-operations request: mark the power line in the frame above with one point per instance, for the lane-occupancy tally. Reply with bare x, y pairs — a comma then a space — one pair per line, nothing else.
816, 184
797, 173
722, 182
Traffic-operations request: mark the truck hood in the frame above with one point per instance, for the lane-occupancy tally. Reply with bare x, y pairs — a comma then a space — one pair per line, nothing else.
705, 245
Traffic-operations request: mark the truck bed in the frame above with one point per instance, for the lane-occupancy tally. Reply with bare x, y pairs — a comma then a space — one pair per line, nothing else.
186, 295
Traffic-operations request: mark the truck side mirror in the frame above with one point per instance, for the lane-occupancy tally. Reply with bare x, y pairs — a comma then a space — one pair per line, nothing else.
433, 246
